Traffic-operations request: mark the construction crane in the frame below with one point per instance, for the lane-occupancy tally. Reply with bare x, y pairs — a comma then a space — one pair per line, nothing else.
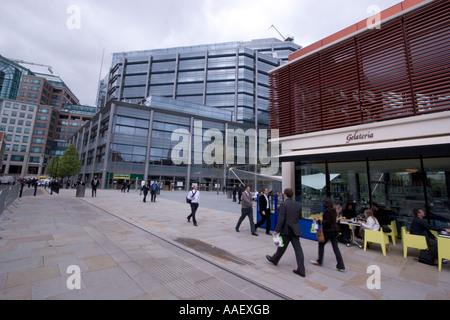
35, 64
288, 39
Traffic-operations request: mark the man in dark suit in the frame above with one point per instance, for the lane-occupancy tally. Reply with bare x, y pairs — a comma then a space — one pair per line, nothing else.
289, 213
419, 226
264, 209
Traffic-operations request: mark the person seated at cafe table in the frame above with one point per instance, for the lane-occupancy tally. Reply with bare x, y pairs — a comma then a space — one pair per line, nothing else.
419, 226
371, 223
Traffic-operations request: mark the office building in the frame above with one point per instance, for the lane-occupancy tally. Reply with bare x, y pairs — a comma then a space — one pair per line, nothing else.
38, 113
231, 76
140, 142
364, 115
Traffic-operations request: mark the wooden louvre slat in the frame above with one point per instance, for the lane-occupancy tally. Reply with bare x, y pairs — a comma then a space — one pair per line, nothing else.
400, 70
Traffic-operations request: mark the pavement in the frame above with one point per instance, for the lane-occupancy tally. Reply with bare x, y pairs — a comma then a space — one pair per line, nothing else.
116, 247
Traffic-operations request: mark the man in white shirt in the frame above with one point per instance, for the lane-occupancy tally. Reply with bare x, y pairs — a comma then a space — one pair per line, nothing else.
142, 186
194, 196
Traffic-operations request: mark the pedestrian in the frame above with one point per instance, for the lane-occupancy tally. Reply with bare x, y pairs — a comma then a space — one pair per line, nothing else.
247, 211
94, 184
154, 190
288, 227
264, 209
128, 186
239, 191
124, 186
145, 190
330, 231
234, 193
142, 186
194, 197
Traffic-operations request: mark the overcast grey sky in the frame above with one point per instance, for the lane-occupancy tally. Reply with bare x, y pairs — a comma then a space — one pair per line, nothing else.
72, 35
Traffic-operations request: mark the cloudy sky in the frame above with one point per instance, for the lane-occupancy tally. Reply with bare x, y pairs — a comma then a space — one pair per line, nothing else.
71, 36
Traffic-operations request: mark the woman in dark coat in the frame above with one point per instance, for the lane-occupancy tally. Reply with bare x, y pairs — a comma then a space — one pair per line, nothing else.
330, 231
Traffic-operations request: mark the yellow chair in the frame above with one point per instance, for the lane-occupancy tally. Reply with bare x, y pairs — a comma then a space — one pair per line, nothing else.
393, 234
435, 233
443, 250
377, 237
412, 241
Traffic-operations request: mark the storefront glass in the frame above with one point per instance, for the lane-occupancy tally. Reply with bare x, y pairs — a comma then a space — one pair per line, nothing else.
398, 186
438, 185
313, 187
349, 183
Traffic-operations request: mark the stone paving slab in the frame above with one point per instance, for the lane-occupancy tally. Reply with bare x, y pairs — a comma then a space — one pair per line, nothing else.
127, 249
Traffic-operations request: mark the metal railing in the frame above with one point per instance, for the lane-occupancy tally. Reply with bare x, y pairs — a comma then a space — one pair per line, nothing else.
7, 196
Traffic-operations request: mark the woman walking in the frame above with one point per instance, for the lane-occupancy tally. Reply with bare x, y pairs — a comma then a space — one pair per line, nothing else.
330, 231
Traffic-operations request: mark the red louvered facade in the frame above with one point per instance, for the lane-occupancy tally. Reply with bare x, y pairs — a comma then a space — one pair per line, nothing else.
397, 71
364, 115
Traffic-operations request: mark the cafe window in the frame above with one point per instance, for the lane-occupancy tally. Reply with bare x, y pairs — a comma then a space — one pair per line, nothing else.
438, 189
397, 185
313, 187
349, 183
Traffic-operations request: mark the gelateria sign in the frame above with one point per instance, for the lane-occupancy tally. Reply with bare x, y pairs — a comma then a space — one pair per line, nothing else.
359, 136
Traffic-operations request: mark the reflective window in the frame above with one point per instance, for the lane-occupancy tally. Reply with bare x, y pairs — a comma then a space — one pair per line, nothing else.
438, 189
349, 183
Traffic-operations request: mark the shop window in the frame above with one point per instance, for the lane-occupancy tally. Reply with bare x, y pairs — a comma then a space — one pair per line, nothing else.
313, 187
349, 184
397, 185
438, 189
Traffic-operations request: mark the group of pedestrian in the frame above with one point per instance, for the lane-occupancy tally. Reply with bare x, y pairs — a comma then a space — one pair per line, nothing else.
151, 187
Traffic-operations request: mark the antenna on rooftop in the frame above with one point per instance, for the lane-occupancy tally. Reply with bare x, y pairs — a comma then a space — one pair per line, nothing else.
288, 39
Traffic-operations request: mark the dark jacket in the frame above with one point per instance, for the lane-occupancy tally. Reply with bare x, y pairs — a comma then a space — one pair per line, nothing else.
421, 227
289, 213
263, 204
382, 217
329, 220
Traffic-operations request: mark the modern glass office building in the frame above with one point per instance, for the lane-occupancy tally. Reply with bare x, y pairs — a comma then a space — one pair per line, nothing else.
10, 76
175, 142
230, 76
364, 115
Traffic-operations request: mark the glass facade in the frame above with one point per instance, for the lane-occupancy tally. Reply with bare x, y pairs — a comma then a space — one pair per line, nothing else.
399, 186
136, 142
230, 76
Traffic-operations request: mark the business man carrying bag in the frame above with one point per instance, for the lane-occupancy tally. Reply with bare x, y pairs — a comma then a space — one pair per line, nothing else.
289, 213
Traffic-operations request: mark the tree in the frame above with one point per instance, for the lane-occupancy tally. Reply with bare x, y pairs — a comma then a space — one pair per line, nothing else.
69, 164
52, 167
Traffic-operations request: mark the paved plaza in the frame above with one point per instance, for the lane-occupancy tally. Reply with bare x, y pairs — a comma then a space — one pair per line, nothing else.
130, 250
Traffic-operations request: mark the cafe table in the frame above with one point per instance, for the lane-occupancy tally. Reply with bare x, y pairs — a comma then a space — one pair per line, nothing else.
352, 224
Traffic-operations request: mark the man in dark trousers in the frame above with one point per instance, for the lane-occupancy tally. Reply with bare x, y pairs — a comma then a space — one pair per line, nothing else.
419, 226
94, 184
153, 191
264, 209
289, 213
247, 211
